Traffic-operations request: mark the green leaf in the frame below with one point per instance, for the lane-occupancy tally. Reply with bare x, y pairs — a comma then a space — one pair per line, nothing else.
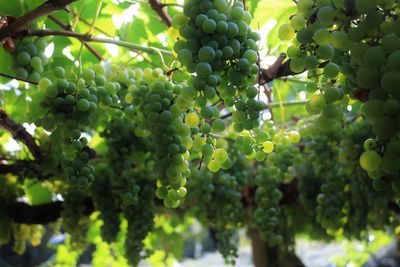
11, 8
38, 194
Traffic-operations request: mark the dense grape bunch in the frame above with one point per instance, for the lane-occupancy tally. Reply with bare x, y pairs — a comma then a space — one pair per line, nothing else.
224, 188
68, 106
220, 49
352, 48
269, 217
343, 197
29, 58
161, 118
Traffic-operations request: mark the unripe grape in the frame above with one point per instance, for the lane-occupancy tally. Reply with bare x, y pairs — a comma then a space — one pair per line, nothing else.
214, 166
209, 26
286, 32
297, 22
23, 58
206, 54
83, 104
370, 161
192, 119
322, 37
268, 147
331, 70
218, 126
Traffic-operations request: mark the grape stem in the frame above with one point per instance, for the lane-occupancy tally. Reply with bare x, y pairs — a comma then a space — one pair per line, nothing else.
17, 78
20, 23
273, 105
20, 133
158, 7
89, 38
280, 69
67, 28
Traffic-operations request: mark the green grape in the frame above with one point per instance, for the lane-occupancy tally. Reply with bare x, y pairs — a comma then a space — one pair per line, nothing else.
391, 107
374, 56
365, 6
370, 144
331, 70
192, 119
370, 161
209, 26
297, 22
304, 36
390, 43
214, 166
297, 65
325, 52
367, 77
35, 62
233, 30
390, 81
21, 73
268, 147
317, 102
23, 58
251, 56
326, 15
322, 37
203, 69
59, 72
323, 123
83, 104
218, 126
286, 32
179, 20
220, 155
340, 40
206, 54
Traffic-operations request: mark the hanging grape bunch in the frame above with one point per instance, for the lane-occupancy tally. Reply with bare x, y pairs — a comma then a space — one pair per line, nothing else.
69, 103
29, 58
352, 48
220, 49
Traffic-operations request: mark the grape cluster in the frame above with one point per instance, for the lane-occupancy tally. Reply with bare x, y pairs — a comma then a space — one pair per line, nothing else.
220, 49
267, 214
29, 58
269, 217
352, 48
224, 188
162, 119
140, 221
127, 179
74, 219
343, 198
70, 103
108, 206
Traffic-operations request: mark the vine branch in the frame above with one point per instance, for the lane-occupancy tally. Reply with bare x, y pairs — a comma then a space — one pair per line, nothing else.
20, 23
158, 7
17, 78
68, 28
20, 133
89, 38
280, 69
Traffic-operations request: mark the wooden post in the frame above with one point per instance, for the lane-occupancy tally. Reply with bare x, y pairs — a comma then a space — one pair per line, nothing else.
267, 256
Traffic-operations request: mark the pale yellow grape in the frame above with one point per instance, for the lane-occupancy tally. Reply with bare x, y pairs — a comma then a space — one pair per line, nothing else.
128, 98
220, 155
370, 161
214, 166
192, 119
268, 147
294, 137
286, 32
